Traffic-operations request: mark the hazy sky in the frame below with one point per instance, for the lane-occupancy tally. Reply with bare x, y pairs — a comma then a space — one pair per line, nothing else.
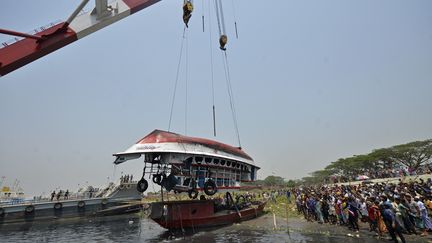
313, 81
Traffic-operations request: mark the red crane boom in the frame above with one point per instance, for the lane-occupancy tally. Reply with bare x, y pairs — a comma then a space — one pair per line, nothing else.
33, 47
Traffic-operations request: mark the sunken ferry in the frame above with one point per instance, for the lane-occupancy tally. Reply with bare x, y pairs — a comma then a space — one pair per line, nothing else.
195, 166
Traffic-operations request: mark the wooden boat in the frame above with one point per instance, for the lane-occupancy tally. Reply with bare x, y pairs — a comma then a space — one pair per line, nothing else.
200, 214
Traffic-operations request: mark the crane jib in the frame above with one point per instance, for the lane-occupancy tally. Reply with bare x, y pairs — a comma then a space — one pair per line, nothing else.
30, 47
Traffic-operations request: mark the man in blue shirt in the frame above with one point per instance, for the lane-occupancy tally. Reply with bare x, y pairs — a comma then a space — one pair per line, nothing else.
392, 224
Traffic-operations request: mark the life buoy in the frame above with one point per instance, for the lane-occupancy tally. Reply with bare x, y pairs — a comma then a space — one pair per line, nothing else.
2, 212
29, 209
210, 187
121, 186
81, 204
142, 185
58, 206
104, 201
193, 193
157, 178
128, 186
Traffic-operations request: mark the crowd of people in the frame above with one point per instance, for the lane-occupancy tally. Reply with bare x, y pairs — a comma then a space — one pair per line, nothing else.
126, 178
393, 208
60, 194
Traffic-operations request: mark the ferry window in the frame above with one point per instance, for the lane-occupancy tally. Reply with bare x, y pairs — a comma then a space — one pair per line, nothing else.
219, 182
223, 162
234, 164
208, 160
198, 159
238, 166
228, 163
216, 161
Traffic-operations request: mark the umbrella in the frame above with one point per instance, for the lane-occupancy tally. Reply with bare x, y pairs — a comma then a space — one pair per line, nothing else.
362, 177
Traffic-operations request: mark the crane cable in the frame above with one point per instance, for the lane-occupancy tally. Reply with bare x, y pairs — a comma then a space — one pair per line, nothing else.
230, 94
218, 16
176, 79
223, 39
222, 33
186, 88
211, 68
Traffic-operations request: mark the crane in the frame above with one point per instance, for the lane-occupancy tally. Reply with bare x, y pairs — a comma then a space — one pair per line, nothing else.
30, 47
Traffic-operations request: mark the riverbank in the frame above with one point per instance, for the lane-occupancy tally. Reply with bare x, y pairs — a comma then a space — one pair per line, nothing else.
282, 216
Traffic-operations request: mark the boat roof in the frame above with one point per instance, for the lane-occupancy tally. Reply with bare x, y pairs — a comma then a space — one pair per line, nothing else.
157, 138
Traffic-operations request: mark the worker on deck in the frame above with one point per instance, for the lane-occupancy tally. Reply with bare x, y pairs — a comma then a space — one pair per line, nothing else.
53, 195
187, 12
223, 41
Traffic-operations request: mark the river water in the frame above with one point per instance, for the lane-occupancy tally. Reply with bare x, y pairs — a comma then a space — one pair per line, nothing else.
135, 228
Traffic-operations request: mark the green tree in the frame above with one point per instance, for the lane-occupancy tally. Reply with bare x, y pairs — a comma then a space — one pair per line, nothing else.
414, 154
273, 181
291, 183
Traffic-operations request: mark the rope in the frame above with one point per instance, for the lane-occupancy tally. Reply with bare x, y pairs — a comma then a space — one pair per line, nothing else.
230, 94
176, 80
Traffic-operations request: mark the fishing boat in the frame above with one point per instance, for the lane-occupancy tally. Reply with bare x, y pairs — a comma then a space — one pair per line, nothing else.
194, 165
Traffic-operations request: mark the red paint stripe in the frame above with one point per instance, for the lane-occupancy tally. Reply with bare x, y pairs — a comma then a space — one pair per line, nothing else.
28, 50
137, 5
223, 187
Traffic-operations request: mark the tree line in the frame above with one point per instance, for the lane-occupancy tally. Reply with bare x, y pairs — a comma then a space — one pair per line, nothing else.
411, 156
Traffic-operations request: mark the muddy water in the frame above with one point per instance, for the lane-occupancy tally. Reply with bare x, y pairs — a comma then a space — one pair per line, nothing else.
133, 228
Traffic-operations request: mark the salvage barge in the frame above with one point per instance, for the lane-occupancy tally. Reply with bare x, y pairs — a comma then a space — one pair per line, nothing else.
114, 199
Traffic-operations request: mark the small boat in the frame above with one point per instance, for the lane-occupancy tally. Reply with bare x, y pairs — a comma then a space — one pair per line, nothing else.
11, 195
200, 214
